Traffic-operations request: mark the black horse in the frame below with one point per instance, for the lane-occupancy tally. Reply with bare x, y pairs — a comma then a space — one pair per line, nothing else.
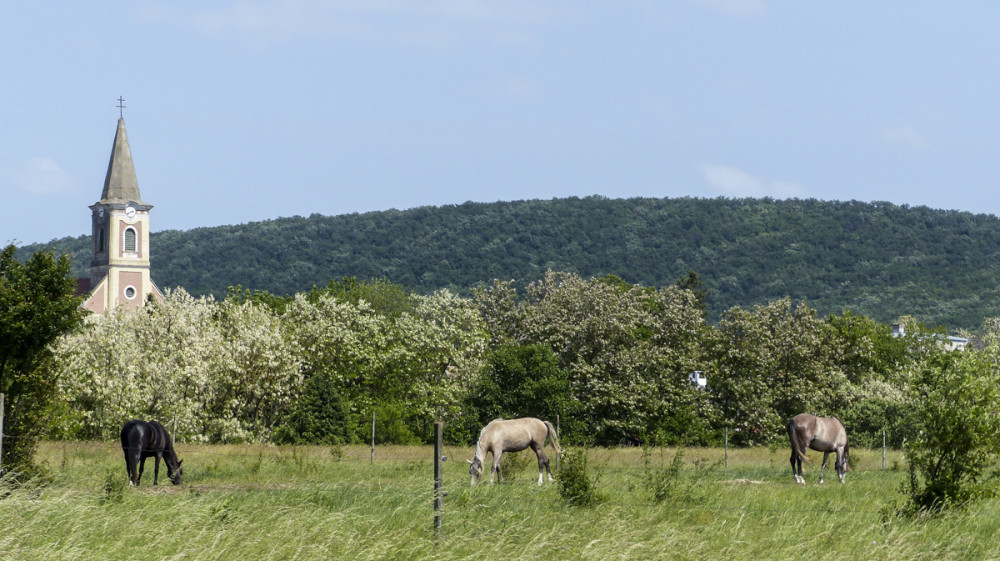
140, 440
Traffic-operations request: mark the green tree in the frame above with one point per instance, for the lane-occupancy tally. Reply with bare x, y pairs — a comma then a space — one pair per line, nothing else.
692, 282
38, 305
238, 295
956, 427
522, 381
320, 415
383, 296
771, 363
877, 366
628, 349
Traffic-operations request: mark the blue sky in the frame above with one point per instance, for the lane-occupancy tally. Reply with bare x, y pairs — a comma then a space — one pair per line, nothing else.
249, 110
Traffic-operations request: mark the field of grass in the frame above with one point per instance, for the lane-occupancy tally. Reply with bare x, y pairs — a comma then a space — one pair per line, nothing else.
265, 502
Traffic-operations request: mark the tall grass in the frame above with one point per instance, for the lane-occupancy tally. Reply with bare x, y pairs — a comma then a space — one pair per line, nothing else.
264, 502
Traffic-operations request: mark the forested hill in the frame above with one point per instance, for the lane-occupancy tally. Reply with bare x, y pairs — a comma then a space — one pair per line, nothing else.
875, 259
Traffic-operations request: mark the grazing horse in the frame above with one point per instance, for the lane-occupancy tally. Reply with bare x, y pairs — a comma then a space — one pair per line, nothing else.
514, 435
140, 440
823, 434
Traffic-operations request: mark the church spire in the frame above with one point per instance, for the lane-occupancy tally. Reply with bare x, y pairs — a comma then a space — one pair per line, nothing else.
121, 184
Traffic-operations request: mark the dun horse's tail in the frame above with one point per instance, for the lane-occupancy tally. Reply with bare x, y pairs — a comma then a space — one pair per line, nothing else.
793, 438
553, 437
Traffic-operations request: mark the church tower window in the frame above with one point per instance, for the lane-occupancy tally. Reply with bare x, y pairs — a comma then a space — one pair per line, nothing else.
130, 240
101, 248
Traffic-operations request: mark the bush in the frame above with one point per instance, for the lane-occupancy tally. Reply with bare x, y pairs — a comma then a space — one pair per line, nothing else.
514, 464
661, 483
391, 426
320, 416
575, 484
956, 425
114, 486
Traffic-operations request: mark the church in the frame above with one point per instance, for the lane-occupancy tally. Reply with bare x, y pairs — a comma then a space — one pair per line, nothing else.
119, 271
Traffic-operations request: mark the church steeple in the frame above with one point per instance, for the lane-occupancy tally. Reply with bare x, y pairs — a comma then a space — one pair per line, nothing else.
120, 183
119, 270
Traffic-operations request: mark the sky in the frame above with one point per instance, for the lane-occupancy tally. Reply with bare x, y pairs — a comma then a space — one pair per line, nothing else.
247, 110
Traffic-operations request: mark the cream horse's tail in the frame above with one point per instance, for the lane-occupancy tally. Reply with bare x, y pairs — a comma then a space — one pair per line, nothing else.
553, 437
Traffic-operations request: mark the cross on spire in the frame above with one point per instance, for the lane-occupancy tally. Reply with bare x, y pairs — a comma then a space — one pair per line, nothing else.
121, 107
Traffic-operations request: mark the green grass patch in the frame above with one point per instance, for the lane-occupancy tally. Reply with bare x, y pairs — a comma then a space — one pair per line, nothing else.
303, 503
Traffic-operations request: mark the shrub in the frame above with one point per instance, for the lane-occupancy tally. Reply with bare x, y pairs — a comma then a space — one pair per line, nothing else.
575, 484
514, 464
956, 426
661, 483
114, 486
320, 416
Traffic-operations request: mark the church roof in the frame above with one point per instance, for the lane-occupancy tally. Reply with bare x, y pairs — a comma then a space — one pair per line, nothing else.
120, 184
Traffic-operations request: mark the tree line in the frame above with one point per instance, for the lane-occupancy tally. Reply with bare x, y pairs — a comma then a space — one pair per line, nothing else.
609, 358
874, 259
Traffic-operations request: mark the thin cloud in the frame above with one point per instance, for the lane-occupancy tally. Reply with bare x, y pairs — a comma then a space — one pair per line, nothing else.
906, 136
738, 183
42, 176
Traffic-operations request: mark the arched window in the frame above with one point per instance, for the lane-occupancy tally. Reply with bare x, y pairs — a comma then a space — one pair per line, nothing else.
130, 240
100, 241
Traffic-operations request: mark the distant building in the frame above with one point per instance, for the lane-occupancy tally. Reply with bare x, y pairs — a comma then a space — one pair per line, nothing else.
947, 342
119, 271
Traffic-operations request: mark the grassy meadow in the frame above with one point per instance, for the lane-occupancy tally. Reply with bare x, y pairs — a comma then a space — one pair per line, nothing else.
264, 502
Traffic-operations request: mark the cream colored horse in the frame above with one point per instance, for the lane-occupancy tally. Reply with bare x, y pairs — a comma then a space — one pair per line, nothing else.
514, 435
823, 434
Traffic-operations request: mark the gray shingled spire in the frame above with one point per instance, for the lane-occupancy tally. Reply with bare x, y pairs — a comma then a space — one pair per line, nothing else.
121, 185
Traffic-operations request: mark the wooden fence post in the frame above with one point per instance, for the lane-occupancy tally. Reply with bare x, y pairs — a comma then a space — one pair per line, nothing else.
1, 432
373, 439
438, 434
883, 449
558, 434
727, 448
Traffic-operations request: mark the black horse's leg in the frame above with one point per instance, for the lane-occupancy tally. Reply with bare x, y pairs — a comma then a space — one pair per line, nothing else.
156, 467
130, 461
795, 456
142, 466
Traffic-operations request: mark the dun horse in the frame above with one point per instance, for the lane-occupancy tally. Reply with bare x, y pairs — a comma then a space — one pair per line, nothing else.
140, 440
514, 435
823, 434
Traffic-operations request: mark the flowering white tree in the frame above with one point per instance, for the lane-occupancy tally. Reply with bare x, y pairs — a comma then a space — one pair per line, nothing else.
259, 374
157, 363
629, 349
347, 343
771, 363
440, 349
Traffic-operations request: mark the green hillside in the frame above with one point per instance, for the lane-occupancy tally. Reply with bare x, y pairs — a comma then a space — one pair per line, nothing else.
876, 259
